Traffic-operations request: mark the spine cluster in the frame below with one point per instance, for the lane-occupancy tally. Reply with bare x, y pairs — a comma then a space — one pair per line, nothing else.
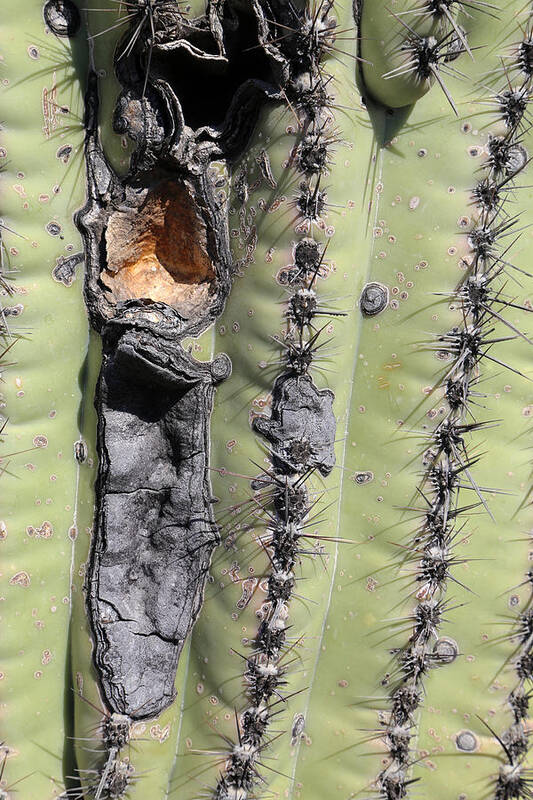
8, 335
427, 58
449, 460
113, 775
514, 776
6, 290
307, 444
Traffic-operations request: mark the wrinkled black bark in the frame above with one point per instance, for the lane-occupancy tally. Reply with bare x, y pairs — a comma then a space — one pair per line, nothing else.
155, 531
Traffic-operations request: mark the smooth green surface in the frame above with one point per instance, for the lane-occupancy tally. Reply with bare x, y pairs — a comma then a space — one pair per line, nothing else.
42, 81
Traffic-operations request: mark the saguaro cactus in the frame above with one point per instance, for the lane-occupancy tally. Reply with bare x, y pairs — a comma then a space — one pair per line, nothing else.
266, 471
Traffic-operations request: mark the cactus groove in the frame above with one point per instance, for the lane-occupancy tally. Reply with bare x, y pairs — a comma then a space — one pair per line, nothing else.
266, 509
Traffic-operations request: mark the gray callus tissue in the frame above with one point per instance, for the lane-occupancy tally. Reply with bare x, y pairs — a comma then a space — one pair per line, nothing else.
155, 532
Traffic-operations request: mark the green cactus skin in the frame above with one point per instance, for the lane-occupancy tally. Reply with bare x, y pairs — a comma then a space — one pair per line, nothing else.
43, 79
401, 209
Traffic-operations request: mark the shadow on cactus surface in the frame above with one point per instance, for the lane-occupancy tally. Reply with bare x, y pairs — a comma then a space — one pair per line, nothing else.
265, 281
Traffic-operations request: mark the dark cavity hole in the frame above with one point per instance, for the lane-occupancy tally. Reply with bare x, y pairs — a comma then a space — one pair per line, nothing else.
206, 99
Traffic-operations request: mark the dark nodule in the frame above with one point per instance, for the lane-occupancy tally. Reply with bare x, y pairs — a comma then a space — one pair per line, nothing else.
62, 17
374, 299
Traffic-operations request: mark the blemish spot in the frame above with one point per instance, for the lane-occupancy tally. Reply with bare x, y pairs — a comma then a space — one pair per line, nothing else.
159, 733
360, 478
374, 298
20, 579
40, 440
64, 152
45, 531
80, 451
248, 587
53, 228
466, 741
446, 650
298, 726
13, 311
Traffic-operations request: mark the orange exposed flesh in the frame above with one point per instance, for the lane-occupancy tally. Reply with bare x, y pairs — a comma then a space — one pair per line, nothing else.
159, 252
